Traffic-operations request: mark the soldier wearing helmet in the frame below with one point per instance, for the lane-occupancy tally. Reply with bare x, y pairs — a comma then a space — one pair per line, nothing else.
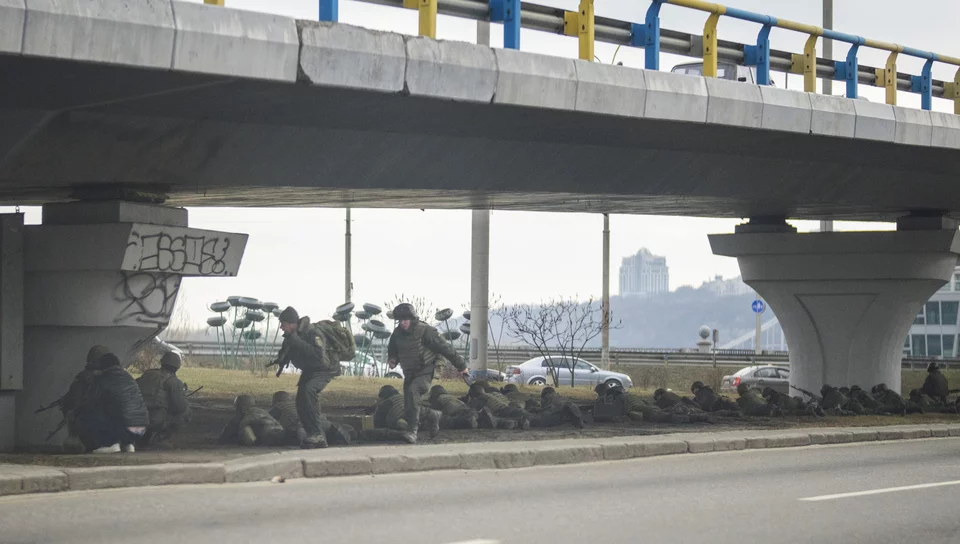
166, 400
416, 347
252, 425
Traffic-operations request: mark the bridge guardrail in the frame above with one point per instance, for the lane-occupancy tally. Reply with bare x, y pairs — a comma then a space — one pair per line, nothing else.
588, 28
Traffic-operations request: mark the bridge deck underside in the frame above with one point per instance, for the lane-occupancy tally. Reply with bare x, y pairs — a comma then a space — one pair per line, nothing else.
227, 142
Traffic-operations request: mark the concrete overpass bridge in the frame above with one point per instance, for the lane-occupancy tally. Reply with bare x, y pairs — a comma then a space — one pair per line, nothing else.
110, 108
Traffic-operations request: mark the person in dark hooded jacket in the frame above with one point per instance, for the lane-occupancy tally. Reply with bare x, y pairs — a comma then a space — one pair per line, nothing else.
936, 386
115, 415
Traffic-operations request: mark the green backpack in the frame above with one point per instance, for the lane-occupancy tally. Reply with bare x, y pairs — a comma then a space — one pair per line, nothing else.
338, 343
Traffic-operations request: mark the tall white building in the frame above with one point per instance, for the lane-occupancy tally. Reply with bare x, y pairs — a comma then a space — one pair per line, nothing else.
726, 288
934, 331
644, 274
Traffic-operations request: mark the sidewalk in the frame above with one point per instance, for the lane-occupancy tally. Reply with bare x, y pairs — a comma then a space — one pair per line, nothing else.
17, 479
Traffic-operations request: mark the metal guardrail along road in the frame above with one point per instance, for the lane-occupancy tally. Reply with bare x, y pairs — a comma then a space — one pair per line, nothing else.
648, 35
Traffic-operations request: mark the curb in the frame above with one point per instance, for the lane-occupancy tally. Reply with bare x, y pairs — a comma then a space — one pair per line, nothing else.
22, 479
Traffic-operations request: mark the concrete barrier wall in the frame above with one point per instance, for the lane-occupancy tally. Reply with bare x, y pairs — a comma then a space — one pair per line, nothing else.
190, 37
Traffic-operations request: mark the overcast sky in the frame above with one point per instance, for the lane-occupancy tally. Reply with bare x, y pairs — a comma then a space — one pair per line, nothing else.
296, 256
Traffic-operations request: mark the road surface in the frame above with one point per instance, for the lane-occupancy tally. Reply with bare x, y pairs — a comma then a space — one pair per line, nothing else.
885, 492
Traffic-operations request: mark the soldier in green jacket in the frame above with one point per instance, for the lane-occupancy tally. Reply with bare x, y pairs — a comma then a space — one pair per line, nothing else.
252, 425
166, 399
528, 402
417, 347
557, 410
494, 410
752, 403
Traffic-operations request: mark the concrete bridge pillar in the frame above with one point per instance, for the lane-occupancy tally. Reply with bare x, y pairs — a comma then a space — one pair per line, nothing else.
100, 273
845, 300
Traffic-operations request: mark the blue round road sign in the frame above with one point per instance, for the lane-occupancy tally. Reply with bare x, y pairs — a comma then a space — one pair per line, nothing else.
758, 306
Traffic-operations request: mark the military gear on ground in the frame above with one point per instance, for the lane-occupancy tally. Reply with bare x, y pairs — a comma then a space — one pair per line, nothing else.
171, 359
752, 403
252, 425
936, 386
284, 410
289, 315
455, 413
165, 398
405, 310
556, 411
519, 399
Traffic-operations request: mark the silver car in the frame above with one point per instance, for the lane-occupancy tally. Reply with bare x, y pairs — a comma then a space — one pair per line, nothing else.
760, 377
536, 371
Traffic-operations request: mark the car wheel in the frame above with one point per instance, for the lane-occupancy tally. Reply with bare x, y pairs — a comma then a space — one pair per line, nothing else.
393, 375
613, 383
538, 381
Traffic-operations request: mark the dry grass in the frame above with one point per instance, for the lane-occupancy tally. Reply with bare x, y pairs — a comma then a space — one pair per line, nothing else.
352, 392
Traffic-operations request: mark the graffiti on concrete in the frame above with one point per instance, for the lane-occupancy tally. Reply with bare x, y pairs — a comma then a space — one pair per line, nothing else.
180, 252
146, 297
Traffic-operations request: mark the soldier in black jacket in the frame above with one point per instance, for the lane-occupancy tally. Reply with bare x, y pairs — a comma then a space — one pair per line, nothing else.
303, 348
935, 386
114, 415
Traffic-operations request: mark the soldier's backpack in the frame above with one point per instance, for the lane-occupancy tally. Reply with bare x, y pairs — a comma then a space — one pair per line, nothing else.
338, 343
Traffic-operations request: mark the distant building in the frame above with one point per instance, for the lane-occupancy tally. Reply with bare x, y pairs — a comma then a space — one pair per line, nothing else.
935, 329
644, 274
727, 288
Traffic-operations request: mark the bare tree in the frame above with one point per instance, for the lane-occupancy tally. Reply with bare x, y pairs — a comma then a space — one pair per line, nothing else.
424, 308
501, 312
564, 325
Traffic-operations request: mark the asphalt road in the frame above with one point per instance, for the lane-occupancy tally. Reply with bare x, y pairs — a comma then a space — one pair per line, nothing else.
736, 497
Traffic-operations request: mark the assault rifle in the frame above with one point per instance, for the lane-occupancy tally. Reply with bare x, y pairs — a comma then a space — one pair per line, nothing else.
817, 398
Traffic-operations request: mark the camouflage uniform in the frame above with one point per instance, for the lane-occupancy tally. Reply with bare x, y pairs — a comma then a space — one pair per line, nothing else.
494, 411
665, 399
417, 350
284, 410
389, 419
837, 403
528, 402
166, 399
556, 410
252, 425
708, 401
304, 349
791, 406
752, 403
892, 402
455, 414
639, 409
936, 386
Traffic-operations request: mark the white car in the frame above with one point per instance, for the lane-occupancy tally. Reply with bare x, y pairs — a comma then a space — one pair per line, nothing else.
537, 371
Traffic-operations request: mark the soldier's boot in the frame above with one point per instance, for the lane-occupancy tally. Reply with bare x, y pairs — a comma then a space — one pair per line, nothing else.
431, 420
340, 435
247, 436
524, 423
700, 418
314, 441
573, 415
486, 419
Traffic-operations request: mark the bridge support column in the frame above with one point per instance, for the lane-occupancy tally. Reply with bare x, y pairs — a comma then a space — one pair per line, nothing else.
845, 300
102, 273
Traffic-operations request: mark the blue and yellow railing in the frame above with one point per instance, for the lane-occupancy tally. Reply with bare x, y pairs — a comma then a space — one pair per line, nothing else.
647, 35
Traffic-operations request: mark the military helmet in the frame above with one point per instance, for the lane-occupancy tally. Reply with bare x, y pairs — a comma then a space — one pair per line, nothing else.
659, 393
437, 390
280, 396
548, 391
933, 366
510, 388
616, 390
742, 388
769, 392
404, 310
243, 402
387, 391
477, 389
96, 352
171, 359
696, 386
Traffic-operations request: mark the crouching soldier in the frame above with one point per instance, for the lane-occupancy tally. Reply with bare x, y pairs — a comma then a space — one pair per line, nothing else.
390, 423
166, 400
113, 416
455, 414
252, 425
77, 396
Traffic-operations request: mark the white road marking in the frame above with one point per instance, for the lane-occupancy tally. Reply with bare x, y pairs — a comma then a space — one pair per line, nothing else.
878, 491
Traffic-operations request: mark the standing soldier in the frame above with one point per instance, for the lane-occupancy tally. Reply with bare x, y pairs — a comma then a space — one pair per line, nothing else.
166, 400
416, 347
303, 346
